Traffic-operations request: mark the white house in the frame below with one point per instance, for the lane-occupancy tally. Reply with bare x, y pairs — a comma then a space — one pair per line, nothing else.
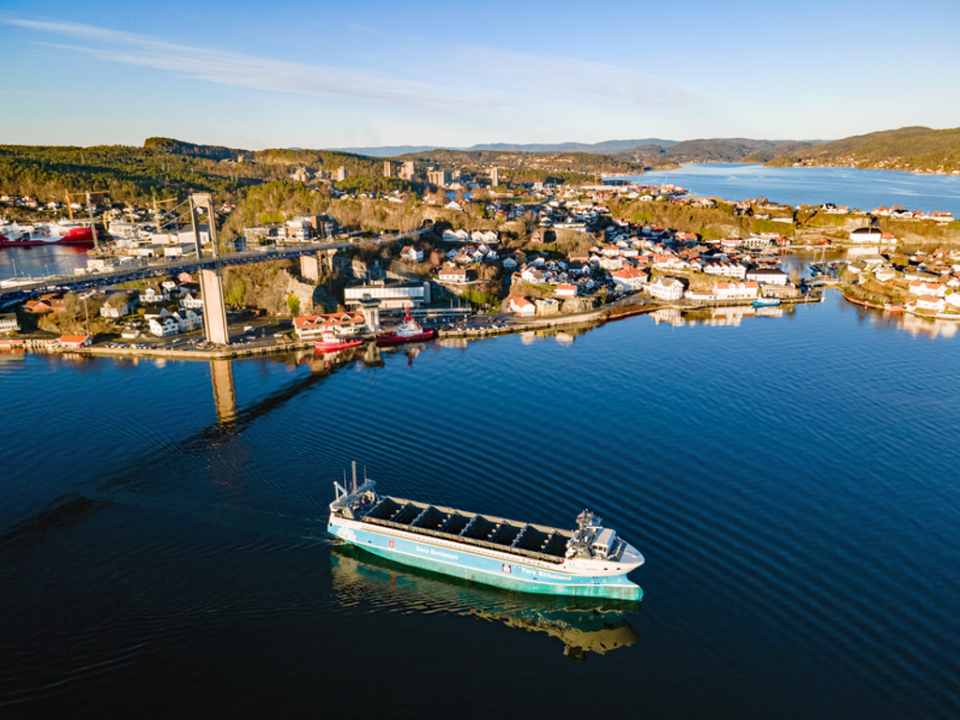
413, 253
630, 278
611, 263
523, 307
665, 288
453, 274
736, 290
163, 326
489, 237
768, 276
926, 302
531, 275
191, 302
118, 305
700, 296
187, 320
866, 235
153, 294
918, 287
566, 290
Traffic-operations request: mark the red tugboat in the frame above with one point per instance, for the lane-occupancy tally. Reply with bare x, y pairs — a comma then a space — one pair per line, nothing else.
331, 341
409, 331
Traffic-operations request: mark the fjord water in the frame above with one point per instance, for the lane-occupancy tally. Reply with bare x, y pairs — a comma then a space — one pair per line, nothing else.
792, 482
853, 187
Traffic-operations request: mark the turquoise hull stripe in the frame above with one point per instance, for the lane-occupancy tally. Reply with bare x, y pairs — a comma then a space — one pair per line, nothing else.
489, 571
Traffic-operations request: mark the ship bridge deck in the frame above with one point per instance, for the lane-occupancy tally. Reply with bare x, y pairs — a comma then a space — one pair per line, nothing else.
538, 542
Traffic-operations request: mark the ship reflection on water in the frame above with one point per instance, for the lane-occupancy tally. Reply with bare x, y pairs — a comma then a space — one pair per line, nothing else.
583, 625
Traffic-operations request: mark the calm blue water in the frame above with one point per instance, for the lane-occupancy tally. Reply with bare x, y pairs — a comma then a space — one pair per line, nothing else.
864, 189
792, 481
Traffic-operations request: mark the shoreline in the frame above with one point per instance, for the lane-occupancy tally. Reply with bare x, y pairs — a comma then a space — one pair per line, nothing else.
594, 318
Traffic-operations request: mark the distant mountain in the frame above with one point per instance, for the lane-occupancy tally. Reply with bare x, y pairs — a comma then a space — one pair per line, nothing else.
386, 151
601, 148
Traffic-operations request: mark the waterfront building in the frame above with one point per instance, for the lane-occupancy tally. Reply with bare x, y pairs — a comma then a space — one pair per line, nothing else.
523, 307
768, 276
344, 324
736, 290
936, 304
547, 306
666, 288
9, 323
75, 341
392, 294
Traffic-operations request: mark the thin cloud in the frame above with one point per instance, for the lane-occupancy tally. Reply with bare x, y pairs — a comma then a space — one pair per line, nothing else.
486, 79
240, 69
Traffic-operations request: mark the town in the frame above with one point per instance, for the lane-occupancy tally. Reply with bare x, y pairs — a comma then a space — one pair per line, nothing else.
485, 258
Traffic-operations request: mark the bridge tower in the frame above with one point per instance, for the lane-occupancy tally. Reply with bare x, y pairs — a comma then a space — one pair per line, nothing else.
211, 281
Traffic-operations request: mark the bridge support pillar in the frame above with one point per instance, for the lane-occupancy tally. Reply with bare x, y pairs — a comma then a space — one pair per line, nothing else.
211, 281
214, 308
310, 267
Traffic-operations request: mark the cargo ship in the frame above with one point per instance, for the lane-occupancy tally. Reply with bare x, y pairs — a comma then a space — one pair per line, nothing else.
589, 561
62, 233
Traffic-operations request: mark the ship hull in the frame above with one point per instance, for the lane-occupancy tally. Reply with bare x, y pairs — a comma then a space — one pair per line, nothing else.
401, 339
482, 566
328, 347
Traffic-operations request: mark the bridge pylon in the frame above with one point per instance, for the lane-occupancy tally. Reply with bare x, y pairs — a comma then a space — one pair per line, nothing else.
211, 281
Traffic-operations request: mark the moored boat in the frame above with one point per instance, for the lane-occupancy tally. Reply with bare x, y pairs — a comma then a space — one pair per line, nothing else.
335, 345
590, 561
409, 331
766, 302
64, 233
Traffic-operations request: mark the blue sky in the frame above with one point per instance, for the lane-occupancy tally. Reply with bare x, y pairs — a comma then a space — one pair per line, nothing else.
364, 73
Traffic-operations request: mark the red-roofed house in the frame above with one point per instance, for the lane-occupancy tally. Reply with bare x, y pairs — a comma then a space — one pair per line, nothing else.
566, 290
523, 307
75, 341
919, 287
343, 323
630, 278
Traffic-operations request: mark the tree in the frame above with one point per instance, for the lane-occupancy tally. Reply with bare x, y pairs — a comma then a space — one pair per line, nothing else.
236, 294
293, 303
